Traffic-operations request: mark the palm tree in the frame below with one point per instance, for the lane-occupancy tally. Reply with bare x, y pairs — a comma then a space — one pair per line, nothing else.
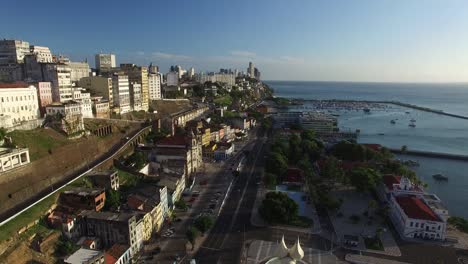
404, 148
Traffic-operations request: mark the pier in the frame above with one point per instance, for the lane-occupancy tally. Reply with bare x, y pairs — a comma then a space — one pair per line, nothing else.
421, 108
430, 154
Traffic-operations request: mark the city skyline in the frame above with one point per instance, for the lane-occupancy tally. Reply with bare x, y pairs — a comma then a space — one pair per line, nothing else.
376, 41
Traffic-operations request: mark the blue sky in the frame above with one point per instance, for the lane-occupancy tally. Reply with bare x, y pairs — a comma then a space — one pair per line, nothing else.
341, 40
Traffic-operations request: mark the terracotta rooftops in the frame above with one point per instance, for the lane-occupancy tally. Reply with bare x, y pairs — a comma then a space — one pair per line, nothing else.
390, 180
415, 208
14, 85
174, 140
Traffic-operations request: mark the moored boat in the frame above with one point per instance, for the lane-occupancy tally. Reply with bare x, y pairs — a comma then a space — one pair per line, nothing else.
440, 177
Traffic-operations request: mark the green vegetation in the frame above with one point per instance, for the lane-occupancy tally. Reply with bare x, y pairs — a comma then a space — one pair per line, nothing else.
65, 246
137, 160
127, 179
278, 208
84, 182
459, 222
11, 228
181, 205
225, 100
373, 243
113, 199
155, 136
230, 114
192, 234
364, 179
270, 180
203, 223
41, 142
2, 133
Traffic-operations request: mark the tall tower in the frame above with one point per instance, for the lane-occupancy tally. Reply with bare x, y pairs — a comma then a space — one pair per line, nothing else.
251, 70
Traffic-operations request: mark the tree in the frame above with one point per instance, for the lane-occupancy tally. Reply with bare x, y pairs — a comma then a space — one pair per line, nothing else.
295, 149
65, 246
3, 133
332, 172
277, 164
371, 206
180, 204
364, 179
404, 148
308, 134
112, 199
192, 234
277, 207
270, 180
137, 160
203, 223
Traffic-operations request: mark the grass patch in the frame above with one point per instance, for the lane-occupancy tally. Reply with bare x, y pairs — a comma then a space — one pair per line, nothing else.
40, 141
126, 178
373, 243
11, 228
225, 100
302, 221
459, 222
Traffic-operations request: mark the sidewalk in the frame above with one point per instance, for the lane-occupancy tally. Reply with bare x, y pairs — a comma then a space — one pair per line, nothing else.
360, 259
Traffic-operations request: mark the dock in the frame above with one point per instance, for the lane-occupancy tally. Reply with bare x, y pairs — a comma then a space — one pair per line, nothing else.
430, 154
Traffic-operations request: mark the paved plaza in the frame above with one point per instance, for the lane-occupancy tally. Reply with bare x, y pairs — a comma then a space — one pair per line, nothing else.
259, 251
355, 203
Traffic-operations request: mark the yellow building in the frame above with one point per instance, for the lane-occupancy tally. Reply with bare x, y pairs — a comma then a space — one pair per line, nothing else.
206, 136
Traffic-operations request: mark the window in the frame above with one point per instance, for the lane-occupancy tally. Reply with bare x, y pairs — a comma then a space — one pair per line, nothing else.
439, 228
417, 224
411, 224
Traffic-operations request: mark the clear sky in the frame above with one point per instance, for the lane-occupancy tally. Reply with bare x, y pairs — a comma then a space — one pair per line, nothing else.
342, 40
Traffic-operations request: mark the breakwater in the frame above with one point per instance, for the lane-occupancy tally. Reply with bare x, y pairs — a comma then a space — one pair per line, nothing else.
430, 154
421, 108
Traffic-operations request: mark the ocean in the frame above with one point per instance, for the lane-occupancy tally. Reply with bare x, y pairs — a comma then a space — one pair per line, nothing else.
433, 132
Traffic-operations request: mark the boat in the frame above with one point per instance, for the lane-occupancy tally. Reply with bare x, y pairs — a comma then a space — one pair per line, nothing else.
407, 112
393, 121
412, 125
381, 134
413, 120
366, 110
440, 177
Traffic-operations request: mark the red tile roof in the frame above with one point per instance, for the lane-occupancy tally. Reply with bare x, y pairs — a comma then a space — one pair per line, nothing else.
14, 85
115, 252
88, 242
375, 147
294, 175
135, 203
109, 258
415, 208
390, 180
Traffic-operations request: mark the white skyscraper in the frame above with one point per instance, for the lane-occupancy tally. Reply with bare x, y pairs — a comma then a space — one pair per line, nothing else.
104, 62
154, 80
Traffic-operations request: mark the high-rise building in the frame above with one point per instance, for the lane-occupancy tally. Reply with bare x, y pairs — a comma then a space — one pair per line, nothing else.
44, 95
105, 62
191, 73
60, 77
138, 74
13, 51
154, 83
251, 70
121, 93
43, 54
79, 70
98, 86
257, 74
172, 78
135, 96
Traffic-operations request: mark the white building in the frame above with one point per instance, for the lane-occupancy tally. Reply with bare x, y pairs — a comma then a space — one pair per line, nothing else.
13, 51
67, 116
43, 54
105, 62
172, 78
78, 70
226, 78
154, 80
121, 93
85, 102
19, 103
319, 122
13, 158
60, 77
191, 72
414, 213
85, 256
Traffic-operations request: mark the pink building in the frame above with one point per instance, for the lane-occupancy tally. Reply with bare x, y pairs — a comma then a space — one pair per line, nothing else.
44, 95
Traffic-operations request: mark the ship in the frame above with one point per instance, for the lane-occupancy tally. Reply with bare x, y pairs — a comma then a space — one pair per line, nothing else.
412, 125
366, 110
440, 177
393, 121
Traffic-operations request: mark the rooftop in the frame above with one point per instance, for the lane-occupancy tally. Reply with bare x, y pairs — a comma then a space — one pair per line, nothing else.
82, 255
85, 191
390, 180
294, 175
115, 252
108, 216
415, 208
14, 85
173, 140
